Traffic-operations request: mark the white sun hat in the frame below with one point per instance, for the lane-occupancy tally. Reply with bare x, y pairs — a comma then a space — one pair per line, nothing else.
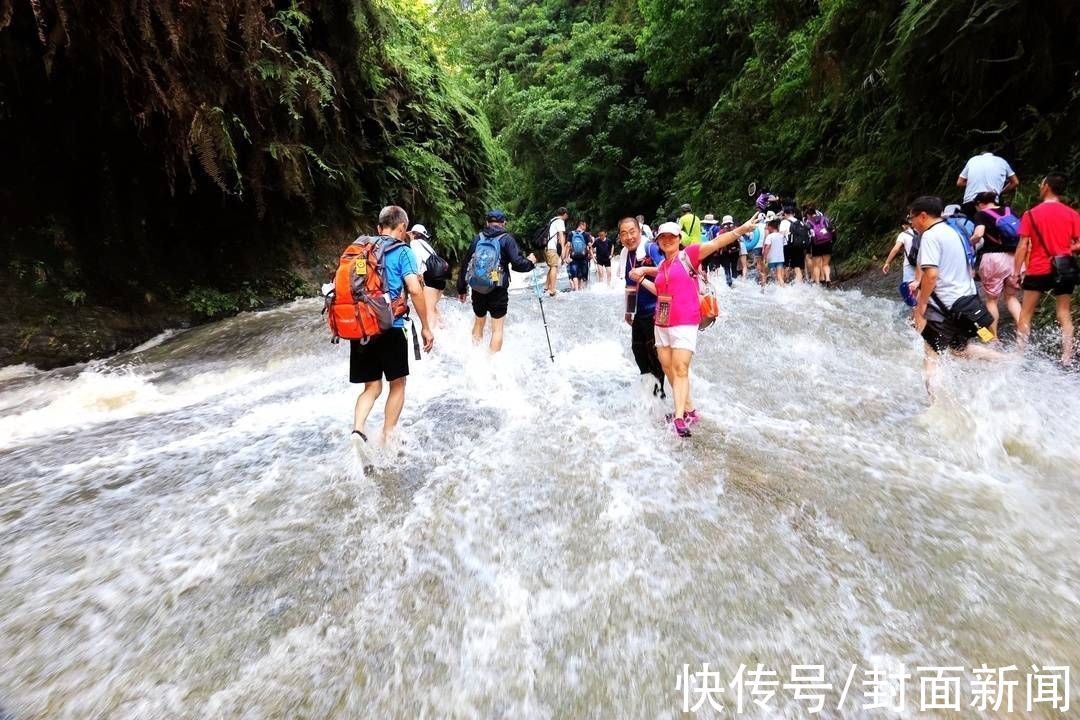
668, 228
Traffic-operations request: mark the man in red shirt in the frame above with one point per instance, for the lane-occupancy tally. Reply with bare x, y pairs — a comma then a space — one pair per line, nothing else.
1050, 229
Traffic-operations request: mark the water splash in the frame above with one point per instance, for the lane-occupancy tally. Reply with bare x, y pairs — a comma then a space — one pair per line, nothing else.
185, 532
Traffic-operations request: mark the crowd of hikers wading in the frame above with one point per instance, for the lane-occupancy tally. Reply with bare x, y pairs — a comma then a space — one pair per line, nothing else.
949, 253
952, 252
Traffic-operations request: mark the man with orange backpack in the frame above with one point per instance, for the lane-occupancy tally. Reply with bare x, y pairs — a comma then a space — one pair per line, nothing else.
368, 307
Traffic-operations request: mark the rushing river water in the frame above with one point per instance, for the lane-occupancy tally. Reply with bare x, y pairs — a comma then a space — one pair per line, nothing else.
185, 532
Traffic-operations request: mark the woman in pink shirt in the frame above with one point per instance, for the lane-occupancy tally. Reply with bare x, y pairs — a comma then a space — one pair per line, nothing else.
675, 284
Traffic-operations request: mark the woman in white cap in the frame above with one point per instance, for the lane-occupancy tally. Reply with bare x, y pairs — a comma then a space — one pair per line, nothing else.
678, 311
419, 241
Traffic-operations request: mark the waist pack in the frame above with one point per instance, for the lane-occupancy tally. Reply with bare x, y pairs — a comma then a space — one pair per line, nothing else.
970, 312
359, 307
1064, 269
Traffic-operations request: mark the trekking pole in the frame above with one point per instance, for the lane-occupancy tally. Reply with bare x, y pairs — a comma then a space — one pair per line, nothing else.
540, 299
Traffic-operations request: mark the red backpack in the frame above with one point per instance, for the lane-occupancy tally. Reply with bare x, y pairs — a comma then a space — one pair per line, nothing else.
359, 306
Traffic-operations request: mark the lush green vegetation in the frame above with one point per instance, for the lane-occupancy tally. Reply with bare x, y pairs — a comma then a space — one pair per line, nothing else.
620, 107
154, 149
168, 151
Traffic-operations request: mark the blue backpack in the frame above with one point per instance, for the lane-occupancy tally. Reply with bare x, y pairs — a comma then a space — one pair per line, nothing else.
579, 247
1008, 227
485, 270
964, 228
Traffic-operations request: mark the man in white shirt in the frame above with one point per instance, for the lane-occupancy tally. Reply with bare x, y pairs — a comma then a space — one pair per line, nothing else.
556, 238
985, 172
946, 278
646, 231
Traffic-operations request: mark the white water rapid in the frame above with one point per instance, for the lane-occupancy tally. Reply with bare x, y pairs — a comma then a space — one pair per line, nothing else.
185, 532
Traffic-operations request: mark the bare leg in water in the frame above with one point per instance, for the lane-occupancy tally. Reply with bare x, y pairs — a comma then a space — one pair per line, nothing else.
1064, 316
676, 364
365, 402
497, 334
395, 400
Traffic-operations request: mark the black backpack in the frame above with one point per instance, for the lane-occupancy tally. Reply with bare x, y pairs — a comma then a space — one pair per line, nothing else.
799, 235
540, 237
913, 253
436, 268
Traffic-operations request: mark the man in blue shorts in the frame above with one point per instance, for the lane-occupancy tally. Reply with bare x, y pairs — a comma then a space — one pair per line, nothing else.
576, 253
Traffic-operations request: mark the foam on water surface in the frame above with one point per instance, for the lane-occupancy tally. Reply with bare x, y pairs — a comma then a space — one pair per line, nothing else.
185, 530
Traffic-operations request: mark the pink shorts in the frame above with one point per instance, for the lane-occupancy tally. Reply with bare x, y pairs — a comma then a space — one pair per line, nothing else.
994, 273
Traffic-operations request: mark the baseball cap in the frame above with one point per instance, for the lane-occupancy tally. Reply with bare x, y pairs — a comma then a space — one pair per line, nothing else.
496, 215
770, 216
728, 220
419, 229
951, 210
669, 228
685, 207
709, 219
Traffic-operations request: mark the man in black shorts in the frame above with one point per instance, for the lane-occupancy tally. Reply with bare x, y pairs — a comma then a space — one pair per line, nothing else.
387, 354
602, 247
492, 301
798, 241
1049, 236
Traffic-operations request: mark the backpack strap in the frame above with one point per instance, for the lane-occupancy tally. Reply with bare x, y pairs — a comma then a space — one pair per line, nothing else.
384, 246
685, 260
1039, 237
941, 306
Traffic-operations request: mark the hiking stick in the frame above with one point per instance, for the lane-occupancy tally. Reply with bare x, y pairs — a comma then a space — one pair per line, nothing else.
540, 299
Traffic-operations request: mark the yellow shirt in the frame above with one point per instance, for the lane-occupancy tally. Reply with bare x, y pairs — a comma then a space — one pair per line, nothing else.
691, 229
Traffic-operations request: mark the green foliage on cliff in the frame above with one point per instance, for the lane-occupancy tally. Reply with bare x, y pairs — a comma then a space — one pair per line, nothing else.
164, 144
155, 146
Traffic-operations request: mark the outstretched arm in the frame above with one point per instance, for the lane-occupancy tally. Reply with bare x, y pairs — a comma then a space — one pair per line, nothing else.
517, 261
416, 294
727, 238
897, 246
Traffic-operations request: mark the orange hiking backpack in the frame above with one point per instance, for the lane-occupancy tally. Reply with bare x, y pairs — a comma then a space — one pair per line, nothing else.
359, 306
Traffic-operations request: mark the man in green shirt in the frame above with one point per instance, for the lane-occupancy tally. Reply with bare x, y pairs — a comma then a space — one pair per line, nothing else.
691, 226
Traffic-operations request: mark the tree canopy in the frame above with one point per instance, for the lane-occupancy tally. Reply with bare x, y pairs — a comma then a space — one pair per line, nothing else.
153, 146
622, 107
